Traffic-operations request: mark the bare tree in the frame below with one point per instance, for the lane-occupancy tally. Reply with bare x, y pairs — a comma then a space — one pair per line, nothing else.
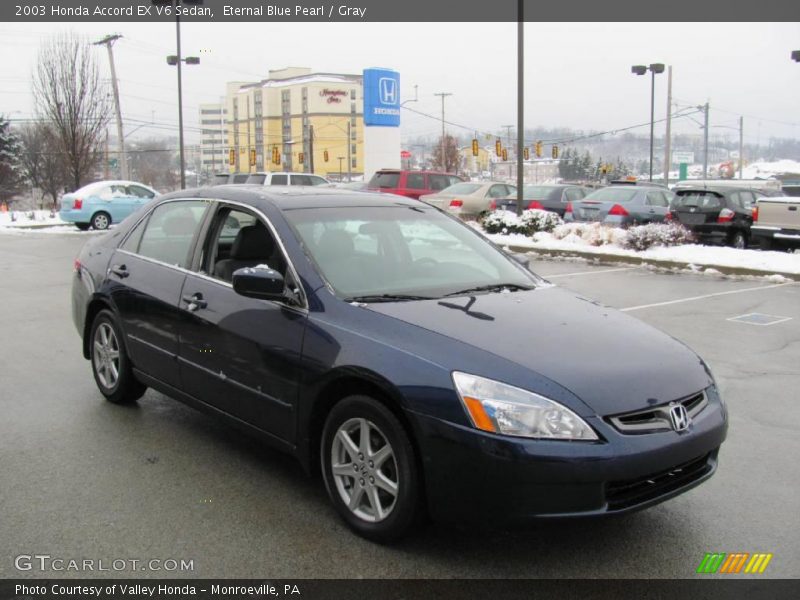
154, 162
452, 157
42, 160
69, 94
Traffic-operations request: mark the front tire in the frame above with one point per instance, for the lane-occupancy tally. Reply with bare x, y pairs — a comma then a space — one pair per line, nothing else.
369, 467
110, 364
101, 221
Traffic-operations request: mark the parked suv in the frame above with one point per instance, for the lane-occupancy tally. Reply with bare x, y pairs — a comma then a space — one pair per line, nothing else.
412, 184
716, 215
285, 178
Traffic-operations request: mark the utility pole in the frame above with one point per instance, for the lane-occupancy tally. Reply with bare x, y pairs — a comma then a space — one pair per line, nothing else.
444, 161
520, 101
349, 157
705, 141
668, 136
340, 159
311, 149
105, 160
108, 42
508, 129
741, 146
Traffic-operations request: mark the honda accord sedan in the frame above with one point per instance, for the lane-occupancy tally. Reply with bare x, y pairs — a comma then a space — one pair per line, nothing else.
397, 352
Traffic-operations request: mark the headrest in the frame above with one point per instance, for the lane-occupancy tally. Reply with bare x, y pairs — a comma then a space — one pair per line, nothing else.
335, 242
253, 241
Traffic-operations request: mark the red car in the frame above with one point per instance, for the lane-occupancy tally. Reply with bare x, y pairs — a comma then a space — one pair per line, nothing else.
412, 184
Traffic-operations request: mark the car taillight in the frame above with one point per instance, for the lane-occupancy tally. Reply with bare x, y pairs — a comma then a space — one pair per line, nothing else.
493, 205
725, 215
569, 208
618, 211
77, 265
536, 204
669, 216
77, 203
755, 213
456, 203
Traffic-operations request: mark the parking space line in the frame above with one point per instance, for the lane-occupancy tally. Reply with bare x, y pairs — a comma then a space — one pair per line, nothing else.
590, 272
704, 296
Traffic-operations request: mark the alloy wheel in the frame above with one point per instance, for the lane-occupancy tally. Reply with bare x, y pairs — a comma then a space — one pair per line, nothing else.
106, 356
364, 468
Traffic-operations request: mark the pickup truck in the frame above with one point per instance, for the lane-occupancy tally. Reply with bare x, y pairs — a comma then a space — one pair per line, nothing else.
776, 223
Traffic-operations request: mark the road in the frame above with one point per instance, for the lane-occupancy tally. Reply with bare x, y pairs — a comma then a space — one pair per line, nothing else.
82, 478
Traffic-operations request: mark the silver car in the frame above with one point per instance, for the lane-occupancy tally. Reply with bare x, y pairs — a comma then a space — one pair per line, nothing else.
622, 205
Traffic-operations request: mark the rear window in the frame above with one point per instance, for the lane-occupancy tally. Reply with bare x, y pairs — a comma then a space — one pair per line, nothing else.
537, 192
613, 195
384, 180
259, 179
697, 200
462, 188
791, 190
240, 178
221, 178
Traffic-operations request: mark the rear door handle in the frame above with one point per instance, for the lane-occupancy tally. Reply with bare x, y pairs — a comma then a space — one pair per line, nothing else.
195, 301
120, 271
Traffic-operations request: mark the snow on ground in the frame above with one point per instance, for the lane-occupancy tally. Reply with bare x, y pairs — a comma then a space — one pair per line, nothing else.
37, 221
692, 254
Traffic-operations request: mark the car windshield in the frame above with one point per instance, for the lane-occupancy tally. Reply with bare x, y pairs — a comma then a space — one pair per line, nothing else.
536, 192
613, 195
258, 179
401, 250
384, 180
461, 188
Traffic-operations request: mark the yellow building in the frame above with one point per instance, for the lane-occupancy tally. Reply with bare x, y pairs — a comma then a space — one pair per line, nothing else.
310, 122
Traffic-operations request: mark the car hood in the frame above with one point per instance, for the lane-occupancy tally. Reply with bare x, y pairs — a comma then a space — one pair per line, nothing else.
613, 362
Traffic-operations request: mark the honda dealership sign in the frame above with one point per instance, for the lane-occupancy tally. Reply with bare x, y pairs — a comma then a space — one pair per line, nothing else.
381, 98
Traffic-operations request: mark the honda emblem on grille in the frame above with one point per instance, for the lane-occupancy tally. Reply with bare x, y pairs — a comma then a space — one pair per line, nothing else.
692, 209
679, 417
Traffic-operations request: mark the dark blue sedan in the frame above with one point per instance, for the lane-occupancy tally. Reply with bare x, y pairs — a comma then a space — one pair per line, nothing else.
397, 351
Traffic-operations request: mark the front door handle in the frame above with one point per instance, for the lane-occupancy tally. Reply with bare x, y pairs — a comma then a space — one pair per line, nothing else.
195, 301
120, 271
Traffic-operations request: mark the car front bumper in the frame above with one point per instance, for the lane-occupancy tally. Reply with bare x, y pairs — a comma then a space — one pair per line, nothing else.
500, 480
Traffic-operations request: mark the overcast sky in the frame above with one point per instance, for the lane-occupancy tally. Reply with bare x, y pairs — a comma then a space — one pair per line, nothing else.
577, 74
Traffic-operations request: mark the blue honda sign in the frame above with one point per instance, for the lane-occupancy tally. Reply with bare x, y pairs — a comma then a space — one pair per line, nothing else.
381, 97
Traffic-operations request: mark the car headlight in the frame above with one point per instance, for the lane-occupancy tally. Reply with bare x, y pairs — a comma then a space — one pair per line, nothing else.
507, 410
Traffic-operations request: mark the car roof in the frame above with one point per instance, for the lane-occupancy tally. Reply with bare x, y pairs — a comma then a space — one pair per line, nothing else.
291, 197
722, 190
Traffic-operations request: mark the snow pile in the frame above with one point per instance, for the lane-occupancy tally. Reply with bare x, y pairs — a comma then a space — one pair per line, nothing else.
594, 234
29, 218
530, 222
765, 170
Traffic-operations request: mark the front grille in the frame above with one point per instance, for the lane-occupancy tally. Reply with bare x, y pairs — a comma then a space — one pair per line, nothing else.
657, 418
624, 494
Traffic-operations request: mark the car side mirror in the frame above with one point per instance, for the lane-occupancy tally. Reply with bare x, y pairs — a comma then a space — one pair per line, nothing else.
259, 282
520, 258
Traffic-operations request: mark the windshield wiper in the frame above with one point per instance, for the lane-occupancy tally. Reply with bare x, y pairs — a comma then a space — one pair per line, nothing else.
492, 287
386, 298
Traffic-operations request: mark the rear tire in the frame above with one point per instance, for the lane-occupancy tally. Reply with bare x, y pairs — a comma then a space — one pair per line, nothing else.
370, 469
82, 226
738, 240
110, 364
101, 221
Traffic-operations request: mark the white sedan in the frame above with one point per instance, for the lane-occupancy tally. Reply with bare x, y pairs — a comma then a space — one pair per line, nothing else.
469, 198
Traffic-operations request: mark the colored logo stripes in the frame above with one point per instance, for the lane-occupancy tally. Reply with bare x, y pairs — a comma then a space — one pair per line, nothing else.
733, 563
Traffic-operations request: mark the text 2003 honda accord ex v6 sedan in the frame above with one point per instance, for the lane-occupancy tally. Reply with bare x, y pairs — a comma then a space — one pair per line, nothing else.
394, 347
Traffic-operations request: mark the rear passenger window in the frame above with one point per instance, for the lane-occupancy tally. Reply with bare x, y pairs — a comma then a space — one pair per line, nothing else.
656, 199
279, 179
301, 180
170, 230
415, 181
573, 195
438, 182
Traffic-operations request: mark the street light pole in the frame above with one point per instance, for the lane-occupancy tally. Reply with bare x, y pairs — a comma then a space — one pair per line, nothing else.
705, 141
741, 146
654, 68
340, 159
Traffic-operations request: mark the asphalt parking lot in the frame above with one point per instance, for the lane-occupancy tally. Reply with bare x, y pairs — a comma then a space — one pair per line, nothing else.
81, 478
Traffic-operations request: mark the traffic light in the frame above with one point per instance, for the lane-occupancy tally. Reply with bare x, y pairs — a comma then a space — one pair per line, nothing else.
252, 157
276, 155
300, 157
231, 157
555, 151
538, 149
325, 155
474, 147
498, 148
526, 154
505, 153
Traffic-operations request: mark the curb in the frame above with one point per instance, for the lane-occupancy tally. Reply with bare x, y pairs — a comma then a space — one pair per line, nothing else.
615, 259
